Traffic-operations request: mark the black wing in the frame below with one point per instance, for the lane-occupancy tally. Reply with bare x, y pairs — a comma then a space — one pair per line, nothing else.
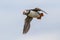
27, 24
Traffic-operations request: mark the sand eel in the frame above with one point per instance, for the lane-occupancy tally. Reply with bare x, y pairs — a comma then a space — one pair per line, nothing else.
32, 13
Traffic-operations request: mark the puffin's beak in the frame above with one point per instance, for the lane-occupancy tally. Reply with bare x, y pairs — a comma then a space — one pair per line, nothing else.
24, 13
44, 11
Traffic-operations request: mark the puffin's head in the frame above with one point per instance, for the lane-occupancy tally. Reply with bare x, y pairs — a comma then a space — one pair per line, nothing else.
25, 12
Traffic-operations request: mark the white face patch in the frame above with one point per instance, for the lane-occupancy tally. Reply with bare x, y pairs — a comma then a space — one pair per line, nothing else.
26, 11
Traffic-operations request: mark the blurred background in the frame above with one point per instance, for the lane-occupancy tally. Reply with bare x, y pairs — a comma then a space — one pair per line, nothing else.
12, 20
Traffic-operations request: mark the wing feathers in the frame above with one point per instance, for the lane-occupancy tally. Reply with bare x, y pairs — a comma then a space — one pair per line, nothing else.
27, 24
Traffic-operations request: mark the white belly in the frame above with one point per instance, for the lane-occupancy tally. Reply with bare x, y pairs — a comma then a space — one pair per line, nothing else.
33, 14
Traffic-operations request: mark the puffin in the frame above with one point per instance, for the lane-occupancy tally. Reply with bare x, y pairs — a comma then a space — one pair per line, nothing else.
31, 13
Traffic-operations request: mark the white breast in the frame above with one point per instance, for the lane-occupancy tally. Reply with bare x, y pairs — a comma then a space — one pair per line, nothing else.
33, 14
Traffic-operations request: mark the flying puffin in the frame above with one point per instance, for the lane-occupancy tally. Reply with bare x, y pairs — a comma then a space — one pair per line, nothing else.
32, 13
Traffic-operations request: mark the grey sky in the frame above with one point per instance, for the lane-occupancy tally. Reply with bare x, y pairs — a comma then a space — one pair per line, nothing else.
12, 20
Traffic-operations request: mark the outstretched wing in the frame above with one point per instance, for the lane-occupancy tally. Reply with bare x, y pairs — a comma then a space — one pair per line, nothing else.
27, 24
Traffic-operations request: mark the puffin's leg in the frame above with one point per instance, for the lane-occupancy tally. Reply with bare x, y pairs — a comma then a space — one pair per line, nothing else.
40, 16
